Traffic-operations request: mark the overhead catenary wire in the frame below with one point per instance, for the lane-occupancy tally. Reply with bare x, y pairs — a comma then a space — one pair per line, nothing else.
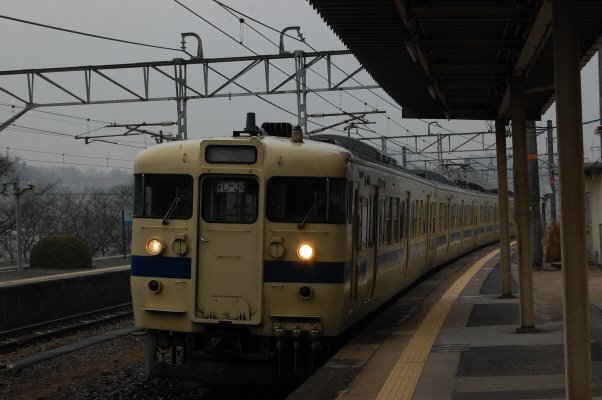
94, 121
58, 28
232, 11
140, 43
312, 48
78, 164
79, 135
252, 51
21, 128
65, 154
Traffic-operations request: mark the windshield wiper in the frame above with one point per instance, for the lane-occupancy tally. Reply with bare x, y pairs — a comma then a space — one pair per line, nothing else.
170, 211
311, 212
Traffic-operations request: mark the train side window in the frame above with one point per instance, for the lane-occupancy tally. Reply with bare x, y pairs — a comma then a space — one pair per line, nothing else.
357, 219
414, 217
372, 233
309, 199
412, 220
394, 219
350, 203
364, 220
434, 217
417, 222
456, 216
408, 220
382, 227
424, 217
447, 216
412, 227
389, 219
402, 219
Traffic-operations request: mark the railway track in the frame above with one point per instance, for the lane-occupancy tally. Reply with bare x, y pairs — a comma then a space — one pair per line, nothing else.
26, 335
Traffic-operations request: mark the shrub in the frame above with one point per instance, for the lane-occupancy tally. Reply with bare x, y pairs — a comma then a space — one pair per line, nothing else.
60, 251
553, 243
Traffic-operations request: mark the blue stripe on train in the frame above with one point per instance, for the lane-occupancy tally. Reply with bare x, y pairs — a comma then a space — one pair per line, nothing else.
306, 272
161, 267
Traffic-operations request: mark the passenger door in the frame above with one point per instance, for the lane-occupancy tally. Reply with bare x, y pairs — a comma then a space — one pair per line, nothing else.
374, 243
356, 242
366, 254
229, 270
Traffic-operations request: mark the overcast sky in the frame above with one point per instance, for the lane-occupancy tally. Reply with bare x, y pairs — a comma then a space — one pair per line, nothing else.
160, 22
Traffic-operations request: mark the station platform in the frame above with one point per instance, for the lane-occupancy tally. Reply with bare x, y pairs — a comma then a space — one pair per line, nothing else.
453, 337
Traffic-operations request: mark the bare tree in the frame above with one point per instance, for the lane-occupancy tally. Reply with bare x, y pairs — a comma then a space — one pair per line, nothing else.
94, 216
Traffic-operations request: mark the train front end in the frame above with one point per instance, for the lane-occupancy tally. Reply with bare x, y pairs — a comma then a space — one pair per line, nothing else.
239, 250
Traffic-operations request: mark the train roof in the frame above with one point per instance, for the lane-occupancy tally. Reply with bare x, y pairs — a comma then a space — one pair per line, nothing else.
152, 157
366, 152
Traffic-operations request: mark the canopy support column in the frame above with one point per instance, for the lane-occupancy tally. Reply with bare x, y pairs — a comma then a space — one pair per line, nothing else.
577, 350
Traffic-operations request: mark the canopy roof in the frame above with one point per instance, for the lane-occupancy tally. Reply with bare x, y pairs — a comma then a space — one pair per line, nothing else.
453, 59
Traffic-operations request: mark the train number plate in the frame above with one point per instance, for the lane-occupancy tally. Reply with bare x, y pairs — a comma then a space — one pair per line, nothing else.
230, 185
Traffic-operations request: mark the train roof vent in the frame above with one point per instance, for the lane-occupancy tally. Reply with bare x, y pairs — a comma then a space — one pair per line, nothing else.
431, 175
280, 129
471, 185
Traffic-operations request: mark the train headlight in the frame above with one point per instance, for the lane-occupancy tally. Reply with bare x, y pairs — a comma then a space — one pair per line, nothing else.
154, 247
305, 251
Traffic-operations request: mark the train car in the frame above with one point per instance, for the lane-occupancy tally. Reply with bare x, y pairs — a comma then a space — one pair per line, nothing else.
250, 253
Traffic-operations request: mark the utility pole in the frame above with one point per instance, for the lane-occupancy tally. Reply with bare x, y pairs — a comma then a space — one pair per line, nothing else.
551, 169
533, 164
17, 192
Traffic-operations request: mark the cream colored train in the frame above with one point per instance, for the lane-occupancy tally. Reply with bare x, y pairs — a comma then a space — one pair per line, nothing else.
251, 252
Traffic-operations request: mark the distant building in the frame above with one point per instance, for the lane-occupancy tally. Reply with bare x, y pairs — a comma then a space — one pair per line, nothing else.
593, 195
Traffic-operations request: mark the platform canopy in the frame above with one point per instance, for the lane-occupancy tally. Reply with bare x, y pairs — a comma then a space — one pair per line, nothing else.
453, 59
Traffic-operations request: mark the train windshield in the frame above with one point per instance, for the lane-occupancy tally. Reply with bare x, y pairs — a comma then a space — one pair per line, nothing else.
163, 196
300, 200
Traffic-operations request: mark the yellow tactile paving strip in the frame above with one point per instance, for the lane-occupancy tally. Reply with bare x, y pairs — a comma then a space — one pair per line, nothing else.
402, 380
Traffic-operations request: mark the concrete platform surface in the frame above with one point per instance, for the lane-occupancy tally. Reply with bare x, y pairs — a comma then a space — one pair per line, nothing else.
476, 352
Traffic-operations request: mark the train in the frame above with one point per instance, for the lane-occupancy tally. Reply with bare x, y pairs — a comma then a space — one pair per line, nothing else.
252, 252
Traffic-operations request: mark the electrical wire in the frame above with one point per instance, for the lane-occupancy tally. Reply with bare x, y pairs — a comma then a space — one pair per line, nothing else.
63, 121
95, 121
65, 154
232, 11
57, 28
78, 164
27, 129
252, 51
